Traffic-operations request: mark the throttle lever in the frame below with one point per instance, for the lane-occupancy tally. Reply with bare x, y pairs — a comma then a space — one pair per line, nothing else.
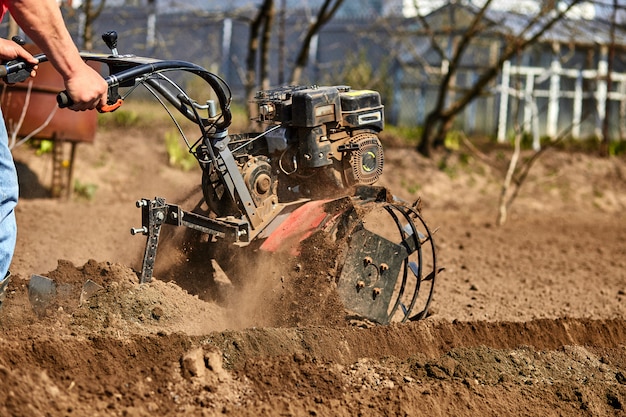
107, 108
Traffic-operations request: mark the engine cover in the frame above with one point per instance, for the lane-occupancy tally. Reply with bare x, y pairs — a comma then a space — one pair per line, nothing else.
362, 160
308, 107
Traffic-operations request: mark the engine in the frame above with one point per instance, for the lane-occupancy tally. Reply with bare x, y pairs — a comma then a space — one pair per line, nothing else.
320, 142
325, 133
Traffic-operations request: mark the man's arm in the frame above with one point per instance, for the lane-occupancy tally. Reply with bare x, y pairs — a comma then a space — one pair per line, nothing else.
42, 21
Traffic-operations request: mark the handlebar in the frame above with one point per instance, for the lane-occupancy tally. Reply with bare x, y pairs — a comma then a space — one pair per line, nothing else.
127, 71
17, 70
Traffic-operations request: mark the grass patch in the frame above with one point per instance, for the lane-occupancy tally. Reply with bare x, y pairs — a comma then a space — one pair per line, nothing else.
401, 135
43, 146
414, 188
85, 191
148, 113
179, 155
135, 113
617, 148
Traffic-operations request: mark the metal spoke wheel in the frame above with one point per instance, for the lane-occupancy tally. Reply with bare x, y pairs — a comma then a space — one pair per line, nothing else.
390, 267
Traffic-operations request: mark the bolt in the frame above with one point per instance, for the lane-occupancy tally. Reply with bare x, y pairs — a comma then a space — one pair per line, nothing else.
160, 216
141, 203
376, 292
360, 284
384, 267
139, 230
368, 260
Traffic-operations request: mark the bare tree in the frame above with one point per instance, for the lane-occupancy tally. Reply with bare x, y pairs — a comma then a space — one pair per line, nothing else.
266, 38
258, 44
325, 13
261, 28
91, 10
515, 171
439, 120
609, 81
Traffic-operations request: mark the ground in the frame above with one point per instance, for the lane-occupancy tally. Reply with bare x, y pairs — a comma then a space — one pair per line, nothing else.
527, 318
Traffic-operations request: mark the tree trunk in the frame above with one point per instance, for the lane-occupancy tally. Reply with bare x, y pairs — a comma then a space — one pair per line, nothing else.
606, 123
444, 113
445, 125
265, 47
326, 13
91, 14
253, 50
425, 147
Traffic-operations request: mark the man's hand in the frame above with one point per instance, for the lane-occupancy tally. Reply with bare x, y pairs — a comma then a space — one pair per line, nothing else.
86, 88
10, 50
43, 22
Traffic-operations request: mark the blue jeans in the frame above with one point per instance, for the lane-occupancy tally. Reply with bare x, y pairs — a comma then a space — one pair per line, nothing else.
9, 191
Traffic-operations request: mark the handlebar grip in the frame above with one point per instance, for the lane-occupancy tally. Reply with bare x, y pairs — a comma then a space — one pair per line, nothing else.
64, 100
18, 70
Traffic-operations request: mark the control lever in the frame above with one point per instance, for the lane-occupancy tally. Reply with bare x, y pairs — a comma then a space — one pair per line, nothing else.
110, 39
18, 40
24, 70
114, 100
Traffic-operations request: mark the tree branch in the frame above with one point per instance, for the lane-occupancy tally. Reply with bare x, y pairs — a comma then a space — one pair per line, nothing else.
325, 13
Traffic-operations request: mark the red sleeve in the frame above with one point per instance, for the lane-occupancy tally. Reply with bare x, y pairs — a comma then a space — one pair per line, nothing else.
3, 8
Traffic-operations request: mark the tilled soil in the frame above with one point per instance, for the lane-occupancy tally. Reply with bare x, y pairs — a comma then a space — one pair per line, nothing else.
527, 318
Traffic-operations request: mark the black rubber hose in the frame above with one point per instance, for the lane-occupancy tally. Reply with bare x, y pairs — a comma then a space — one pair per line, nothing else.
132, 73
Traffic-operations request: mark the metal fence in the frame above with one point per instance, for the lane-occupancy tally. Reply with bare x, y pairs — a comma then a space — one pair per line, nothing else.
557, 100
